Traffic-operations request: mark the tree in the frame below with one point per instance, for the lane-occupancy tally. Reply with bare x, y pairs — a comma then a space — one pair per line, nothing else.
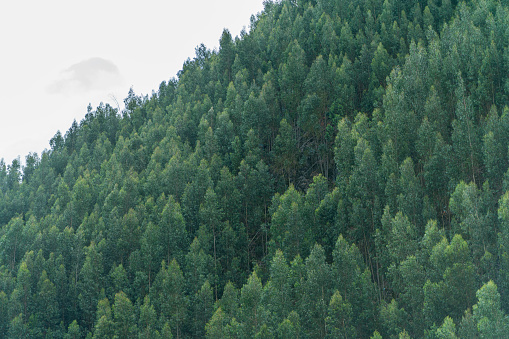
89, 285
393, 318
174, 236
104, 326
255, 183
317, 290
468, 327
491, 321
229, 301
18, 328
363, 192
381, 65
47, 306
151, 249
124, 317
291, 80
466, 140
197, 267
168, 296
455, 292
119, 279
494, 146
12, 242
215, 328
203, 309
288, 227
73, 331
448, 328
193, 196
285, 151
148, 320
315, 112
290, 327
400, 121
403, 238
473, 217
408, 279
22, 295
4, 315
252, 312
277, 291
410, 198
346, 267
503, 250
227, 55
339, 319
211, 222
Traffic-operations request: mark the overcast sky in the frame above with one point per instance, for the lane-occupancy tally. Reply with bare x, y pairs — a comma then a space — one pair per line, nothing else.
56, 56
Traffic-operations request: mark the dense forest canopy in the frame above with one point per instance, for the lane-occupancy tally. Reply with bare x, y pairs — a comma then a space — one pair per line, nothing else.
338, 170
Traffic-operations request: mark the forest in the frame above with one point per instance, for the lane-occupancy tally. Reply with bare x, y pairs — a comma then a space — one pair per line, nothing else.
338, 170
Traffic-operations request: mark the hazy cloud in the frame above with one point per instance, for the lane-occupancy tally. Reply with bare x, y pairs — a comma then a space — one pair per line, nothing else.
87, 75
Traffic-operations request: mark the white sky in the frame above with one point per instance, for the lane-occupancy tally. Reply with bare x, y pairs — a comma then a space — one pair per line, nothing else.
56, 56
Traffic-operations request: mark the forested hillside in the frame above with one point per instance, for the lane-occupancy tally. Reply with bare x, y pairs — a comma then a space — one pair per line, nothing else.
338, 170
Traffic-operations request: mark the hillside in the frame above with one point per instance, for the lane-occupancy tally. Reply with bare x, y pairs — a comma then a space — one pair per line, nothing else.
338, 170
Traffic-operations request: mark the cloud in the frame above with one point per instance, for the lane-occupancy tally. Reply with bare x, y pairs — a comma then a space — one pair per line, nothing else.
86, 76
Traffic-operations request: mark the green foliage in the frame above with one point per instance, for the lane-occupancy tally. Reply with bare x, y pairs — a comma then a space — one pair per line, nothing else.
338, 170
124, 317
339, 319
491, 321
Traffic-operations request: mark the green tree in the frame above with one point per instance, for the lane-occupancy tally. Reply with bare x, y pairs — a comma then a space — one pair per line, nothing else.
292, 74
285, 152
448, 328
89, 285
495, 146
47, 306
363, 192
203, 309
503, 250
277, 291
12, 242
290, 327
124, 317
173, 234
168, 296
393, 318
119, 281
4, 315
17, 328
73, 331
147, 323
410, 198
252, 312
339, 319
403, 238
211, 223
466, 141
104, 325
151, 249
215, 328
288, 227
317, 290
473, 217
229, 301
193, 196
22, 295
227, 55
198, 267
491, 321
455, 292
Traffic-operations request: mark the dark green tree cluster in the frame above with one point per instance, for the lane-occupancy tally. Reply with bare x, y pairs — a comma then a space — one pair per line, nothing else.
338, 170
